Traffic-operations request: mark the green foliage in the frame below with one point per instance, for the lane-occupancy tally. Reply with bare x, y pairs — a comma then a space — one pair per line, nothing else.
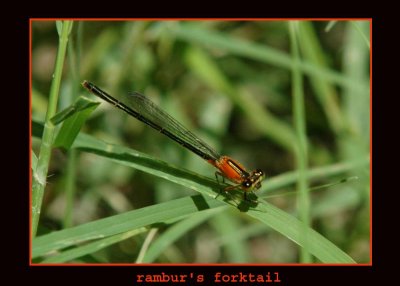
74, 116
237, 87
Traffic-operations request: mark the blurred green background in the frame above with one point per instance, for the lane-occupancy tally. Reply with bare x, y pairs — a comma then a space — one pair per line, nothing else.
231, 83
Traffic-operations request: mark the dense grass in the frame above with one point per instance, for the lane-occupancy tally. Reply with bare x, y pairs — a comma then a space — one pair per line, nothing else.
289, 98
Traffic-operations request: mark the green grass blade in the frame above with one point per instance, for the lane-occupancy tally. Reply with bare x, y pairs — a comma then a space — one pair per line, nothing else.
40, 173
146, 243
330, 25
301, 140
356, 105
70, 190
292, 228
324, 90
89, 248
81, 104
121, 223
361, 32
73, 118
282, 222
33, 160
175, 232
324, 172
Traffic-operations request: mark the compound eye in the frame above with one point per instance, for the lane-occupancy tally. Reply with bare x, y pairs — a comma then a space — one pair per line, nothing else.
259, 172
246, 184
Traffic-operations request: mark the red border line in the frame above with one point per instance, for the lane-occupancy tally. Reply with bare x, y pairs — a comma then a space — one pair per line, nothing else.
190, 19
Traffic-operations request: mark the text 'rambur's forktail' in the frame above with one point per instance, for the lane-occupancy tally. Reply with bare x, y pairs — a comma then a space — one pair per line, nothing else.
142, 108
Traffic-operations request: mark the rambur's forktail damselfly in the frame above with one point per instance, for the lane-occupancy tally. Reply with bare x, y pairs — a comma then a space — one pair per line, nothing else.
143, 109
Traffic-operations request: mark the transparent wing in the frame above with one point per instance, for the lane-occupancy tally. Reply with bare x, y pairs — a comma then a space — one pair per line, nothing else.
152, 115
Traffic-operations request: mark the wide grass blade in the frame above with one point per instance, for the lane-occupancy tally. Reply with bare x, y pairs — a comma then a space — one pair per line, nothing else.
121, 223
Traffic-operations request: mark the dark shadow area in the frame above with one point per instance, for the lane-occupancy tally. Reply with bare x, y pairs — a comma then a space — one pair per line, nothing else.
200, 202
